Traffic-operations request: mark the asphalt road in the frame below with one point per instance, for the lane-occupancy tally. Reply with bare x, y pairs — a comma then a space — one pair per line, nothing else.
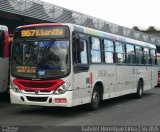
121, 111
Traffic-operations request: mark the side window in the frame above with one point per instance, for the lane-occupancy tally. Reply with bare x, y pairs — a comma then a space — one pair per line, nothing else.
1, 44
130, 54
153, 56
80, 52
83, 53
120, 52
146, 56
108, 51
139, 55
95, 50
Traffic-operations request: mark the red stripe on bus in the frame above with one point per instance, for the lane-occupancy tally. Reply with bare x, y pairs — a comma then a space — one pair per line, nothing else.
114, 37
45, 85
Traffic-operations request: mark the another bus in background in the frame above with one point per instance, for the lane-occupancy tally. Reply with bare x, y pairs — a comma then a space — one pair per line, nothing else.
10, 41
4, 58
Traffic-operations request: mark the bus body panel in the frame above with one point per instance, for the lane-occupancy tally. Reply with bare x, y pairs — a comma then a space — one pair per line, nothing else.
81, 88
4, 74
144, 72
4, 61
125, 79
154, 76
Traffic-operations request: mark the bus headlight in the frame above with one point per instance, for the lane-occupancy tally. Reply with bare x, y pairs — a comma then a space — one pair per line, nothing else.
63, 88
15, 88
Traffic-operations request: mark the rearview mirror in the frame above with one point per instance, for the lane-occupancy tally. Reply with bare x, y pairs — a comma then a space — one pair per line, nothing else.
78, 45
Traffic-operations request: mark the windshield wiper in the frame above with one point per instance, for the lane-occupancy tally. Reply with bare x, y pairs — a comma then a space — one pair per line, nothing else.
32, 55
49, 45
47, 48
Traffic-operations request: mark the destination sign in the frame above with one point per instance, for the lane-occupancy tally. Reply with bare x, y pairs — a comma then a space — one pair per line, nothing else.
43, 32
26, 69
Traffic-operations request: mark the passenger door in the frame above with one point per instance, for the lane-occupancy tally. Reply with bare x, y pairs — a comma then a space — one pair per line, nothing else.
130, 69
80, 69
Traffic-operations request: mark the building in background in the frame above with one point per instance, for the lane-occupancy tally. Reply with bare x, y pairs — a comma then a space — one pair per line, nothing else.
155, 31
15, 13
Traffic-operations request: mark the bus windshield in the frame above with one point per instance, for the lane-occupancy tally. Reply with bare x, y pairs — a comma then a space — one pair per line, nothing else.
38, 59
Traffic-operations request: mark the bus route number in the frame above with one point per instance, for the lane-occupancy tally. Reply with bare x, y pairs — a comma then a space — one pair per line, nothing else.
42, 32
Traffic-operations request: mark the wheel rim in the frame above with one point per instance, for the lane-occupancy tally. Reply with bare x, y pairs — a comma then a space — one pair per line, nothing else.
140, 91
95, 98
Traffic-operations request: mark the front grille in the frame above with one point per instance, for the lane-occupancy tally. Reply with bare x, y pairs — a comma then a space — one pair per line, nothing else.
41, 85
38, 84
33, 91
37, 99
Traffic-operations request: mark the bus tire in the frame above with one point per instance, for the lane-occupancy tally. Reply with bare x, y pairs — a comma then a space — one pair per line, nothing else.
139, 92
95, 99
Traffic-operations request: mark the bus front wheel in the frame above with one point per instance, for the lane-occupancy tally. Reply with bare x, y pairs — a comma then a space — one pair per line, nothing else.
95, 99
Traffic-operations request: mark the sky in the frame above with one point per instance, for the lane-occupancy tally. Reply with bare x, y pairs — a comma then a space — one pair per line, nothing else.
127, 13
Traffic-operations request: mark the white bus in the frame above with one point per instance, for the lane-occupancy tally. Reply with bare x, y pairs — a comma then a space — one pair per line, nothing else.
4, 59
68, 65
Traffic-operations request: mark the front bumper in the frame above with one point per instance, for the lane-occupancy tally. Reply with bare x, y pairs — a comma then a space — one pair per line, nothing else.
41, 100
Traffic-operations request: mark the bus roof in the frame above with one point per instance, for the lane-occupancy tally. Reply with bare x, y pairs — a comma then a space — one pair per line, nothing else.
4, 28
39, 25
112, 36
